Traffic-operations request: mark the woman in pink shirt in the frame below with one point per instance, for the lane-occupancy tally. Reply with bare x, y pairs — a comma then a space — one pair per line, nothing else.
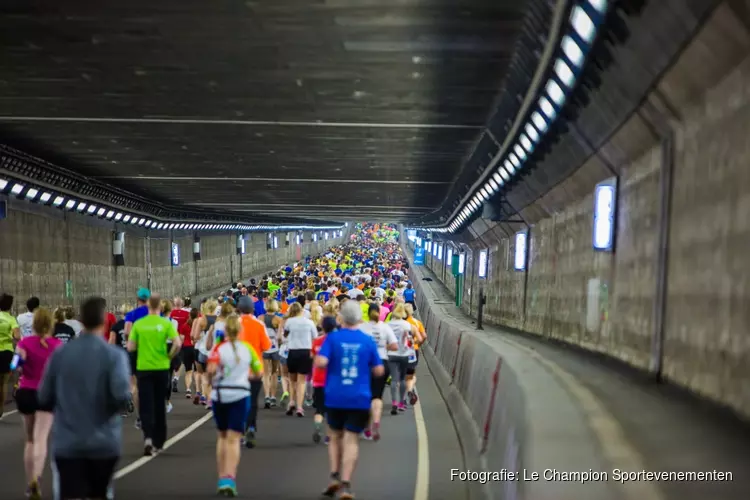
34, 352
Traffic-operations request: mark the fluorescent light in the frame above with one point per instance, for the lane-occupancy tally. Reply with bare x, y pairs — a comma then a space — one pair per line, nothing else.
496, 177
101, 212
493, 185
555, 93
547, 108
134, 220
564, 73
582, 24
504, 172
520, 153
118, 216
599, 5
58, 201
17, 188
81, 206
110, 214
31, 193
126, 218
514, 160
91, 209
526, 143
539, 122
531, 134
71, 204
572, 51
3, 184
45, 197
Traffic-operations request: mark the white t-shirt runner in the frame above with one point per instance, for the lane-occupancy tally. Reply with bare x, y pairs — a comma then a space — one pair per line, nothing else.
382, 334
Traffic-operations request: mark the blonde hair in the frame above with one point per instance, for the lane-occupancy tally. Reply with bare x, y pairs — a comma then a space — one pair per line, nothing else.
125, 308
399, 312
295, 310
232, 327
227, 310
315, 312
334, 302
209, 307
42, 324
59, 315
272, 306
330, 309
409, 310
166, 307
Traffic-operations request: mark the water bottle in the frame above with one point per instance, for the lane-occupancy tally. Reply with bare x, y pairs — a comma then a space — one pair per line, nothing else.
16, 362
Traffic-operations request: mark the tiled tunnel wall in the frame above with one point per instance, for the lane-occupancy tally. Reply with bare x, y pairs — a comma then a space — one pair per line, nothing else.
606, 302
63, 258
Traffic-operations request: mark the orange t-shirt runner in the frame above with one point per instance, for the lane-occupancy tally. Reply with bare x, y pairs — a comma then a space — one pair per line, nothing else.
253, 332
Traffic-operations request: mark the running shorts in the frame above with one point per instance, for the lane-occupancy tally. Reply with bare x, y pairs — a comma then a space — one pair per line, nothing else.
231, 416
188, 358
27, 402
82, 477
201, 360
299, 361
346, 419
5, 358
133, 356
272, 356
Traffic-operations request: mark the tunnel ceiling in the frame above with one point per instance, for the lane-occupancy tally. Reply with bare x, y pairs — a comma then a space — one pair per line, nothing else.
364, 108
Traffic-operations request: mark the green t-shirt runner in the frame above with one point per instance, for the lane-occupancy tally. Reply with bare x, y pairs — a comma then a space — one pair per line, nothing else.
150, 334
7, 324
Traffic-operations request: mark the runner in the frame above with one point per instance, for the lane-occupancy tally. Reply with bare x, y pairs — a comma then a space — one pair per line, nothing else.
398, 361
299, 333
9, 332
149, 336
230, 364
350, 356
319, 379
140, 311
26, 319
199, 334
188, 351
420, 336
386, 341
271, 360
32, 353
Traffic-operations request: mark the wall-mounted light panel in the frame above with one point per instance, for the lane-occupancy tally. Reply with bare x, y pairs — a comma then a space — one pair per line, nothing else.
175, 254
483, 264
521, 250
461, 263
605, 213
449, 256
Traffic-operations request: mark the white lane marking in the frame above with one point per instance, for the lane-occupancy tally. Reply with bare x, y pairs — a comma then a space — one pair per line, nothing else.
422, 485
168, 444
11, 412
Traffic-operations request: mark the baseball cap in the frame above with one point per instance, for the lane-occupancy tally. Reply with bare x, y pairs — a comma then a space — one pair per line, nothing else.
143, 294
245, 305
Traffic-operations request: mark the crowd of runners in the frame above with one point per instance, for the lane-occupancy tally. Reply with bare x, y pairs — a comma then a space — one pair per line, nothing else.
327, 333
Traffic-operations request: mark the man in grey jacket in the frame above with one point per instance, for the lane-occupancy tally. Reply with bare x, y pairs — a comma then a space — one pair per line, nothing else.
87, 382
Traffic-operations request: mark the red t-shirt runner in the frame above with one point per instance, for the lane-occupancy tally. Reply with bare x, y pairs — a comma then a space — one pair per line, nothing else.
181, 316
184, 332
318, 374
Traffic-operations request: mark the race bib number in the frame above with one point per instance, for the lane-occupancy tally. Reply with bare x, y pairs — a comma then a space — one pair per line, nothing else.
284, 351
413, 358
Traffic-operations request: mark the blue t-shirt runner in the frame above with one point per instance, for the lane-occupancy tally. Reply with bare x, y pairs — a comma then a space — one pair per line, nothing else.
351, 356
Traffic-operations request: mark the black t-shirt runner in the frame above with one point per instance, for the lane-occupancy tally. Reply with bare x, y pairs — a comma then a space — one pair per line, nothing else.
64, 333
119, 329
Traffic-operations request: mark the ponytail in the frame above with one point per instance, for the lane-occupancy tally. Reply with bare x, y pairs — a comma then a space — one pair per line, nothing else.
232, 327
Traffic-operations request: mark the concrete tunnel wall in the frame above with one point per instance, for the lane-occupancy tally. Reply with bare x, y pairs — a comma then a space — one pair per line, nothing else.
706, 328
41, 249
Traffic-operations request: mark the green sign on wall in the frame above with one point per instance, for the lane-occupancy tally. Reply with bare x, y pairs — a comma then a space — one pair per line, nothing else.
68, 289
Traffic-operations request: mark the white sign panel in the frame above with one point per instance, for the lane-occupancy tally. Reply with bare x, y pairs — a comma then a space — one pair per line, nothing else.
440, 252
175, 254
461, 263
449, 257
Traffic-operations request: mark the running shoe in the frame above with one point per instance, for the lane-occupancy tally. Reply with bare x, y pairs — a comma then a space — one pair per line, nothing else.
300, 412
203, 400
413, 398
267, 403
394, 408
148, 449
367, 434
290, 410
333, 487
138, 423
318, 434
227, 487
34, 491
131, 406
388, 380
175, 381
170, 407
250, 438
273, 402
197, 398
284, 397
376, 431
402, 406
346, 493
188, 394
308, 403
